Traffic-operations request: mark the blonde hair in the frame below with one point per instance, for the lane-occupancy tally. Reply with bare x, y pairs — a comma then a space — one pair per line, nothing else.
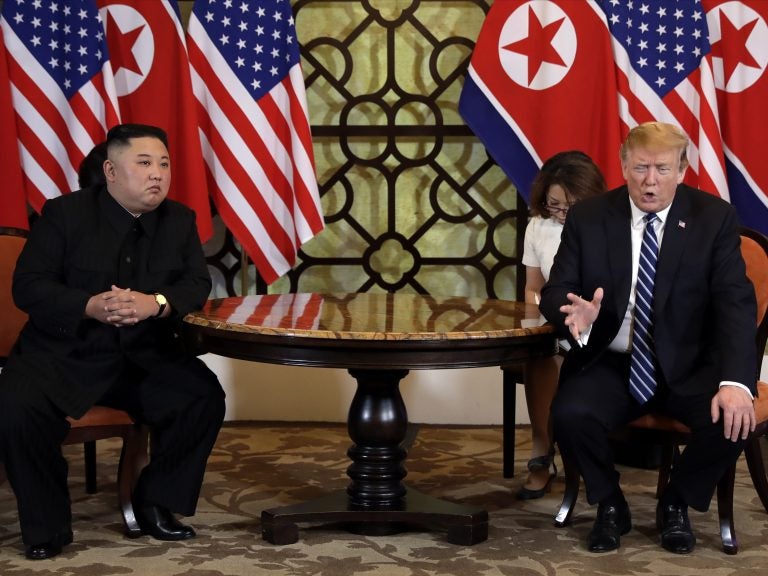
656, 136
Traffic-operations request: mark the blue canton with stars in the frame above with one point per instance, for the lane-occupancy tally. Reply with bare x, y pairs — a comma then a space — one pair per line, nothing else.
665, 40
257, 38
65, 37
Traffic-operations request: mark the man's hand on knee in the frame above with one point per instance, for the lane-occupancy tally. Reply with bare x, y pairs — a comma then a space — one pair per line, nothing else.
738, 412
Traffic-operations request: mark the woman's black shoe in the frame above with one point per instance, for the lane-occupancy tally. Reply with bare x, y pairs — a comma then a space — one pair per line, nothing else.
545, 462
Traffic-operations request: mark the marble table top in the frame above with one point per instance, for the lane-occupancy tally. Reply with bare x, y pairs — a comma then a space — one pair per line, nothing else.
371, 316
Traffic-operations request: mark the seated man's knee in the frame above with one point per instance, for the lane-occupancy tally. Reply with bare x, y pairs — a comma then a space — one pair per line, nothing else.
210, 390
568, 413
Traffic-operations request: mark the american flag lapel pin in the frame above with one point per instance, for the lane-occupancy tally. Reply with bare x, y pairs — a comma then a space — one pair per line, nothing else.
680, 224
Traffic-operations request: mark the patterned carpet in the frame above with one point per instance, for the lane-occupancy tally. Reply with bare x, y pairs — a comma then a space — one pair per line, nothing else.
266, 465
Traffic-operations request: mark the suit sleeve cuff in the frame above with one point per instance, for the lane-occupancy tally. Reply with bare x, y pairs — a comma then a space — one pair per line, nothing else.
731, 383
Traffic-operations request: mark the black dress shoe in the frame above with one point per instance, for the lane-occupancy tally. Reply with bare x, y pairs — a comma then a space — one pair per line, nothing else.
159, 523
48, 549
612, 522
676, 534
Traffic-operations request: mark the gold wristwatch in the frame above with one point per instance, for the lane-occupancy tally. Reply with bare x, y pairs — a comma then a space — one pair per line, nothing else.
162, 303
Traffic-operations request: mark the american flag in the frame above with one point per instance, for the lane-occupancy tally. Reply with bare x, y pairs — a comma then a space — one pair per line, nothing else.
664, 73
254, 127
61, 88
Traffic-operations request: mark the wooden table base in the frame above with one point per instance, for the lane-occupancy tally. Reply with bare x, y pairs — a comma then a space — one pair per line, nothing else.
465, 525
376, 501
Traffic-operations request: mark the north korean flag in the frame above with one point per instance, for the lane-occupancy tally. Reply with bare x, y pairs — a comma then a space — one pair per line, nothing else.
13, 204
149, 59
541, 80
738, 35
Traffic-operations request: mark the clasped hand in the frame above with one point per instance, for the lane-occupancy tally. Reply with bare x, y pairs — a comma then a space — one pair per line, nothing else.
121, 307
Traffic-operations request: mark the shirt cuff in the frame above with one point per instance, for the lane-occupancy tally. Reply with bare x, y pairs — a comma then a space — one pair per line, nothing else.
584, 337
731, 383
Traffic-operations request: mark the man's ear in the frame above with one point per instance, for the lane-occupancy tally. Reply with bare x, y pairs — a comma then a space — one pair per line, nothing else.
109, 170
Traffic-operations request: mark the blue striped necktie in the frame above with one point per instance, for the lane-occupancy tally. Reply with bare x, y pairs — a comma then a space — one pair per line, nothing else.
642, 377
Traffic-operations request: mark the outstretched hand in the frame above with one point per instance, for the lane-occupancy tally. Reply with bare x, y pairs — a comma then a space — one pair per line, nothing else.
580, 314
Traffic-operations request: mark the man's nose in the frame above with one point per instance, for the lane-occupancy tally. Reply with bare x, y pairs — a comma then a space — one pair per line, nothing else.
651, 175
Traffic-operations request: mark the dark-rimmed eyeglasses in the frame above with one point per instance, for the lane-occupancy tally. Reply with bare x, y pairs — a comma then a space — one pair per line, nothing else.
557, 208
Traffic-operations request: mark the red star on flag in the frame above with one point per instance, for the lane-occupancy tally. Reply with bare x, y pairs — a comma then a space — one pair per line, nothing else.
537, 46
732, 46
124, 57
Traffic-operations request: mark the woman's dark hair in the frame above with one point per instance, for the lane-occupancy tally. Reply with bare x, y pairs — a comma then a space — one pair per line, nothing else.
574, 171
91, 170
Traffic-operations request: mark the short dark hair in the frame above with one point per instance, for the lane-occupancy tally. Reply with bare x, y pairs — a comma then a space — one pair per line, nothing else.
574, 171
122, 134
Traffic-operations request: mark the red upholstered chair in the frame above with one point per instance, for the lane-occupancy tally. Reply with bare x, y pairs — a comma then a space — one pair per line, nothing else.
670, 433
99, 422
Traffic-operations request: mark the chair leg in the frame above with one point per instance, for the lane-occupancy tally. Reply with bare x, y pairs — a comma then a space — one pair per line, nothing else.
754, 456
725, 511
571, 492
509, 399
89, 449
132, 458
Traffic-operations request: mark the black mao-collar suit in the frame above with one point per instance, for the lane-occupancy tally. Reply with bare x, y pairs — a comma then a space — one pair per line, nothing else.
82, 244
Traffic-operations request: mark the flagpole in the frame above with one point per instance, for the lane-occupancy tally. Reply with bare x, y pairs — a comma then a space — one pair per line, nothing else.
243, 272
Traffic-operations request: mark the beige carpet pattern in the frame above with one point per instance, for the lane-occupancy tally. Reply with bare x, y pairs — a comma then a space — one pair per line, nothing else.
266, 465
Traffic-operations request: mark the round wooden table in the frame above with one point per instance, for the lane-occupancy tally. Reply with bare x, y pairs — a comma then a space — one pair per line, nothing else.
378, 338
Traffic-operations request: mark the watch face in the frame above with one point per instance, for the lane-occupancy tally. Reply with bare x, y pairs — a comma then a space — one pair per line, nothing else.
160, 299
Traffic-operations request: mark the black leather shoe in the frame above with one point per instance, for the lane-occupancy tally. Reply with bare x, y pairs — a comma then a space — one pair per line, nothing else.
676, 534
611, 523
48, 549
159, 523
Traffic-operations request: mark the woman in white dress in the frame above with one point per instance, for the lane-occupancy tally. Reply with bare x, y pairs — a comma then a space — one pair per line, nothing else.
564, 179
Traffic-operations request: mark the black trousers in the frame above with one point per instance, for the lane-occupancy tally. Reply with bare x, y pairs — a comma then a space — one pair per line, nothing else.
184, 405
591, 403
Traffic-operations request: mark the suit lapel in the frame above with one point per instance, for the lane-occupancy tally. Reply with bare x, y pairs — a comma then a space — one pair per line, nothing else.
672, 246
619, 242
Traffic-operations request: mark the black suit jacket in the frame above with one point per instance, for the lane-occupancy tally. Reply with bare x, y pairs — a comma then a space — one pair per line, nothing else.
704, 305
71, 254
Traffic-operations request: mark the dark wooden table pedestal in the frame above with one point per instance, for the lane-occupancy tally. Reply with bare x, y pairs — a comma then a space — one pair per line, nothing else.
376, 502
